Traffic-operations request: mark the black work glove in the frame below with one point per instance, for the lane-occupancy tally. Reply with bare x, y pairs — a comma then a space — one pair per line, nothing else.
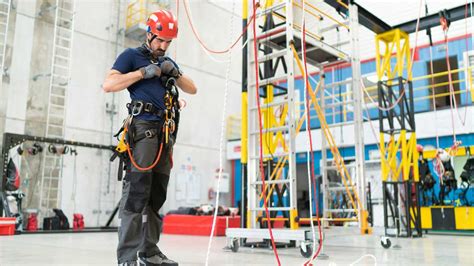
169, 69
150, 71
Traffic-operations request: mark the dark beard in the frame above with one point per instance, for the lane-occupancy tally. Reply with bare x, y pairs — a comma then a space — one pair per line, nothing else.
158, 53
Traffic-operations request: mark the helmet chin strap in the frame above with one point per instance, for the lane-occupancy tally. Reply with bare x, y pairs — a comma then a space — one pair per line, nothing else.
147, 45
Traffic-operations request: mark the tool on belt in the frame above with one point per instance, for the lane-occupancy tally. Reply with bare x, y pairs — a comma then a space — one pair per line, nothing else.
169, 116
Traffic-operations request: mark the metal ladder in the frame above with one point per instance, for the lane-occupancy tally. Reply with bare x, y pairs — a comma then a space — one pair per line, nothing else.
4, 22
283, 127
50, 192
355, 169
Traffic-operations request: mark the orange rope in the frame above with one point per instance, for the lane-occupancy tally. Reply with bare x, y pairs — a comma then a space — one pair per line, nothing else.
135, 164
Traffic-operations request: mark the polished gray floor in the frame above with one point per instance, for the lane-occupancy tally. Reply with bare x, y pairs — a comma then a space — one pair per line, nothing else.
343, 246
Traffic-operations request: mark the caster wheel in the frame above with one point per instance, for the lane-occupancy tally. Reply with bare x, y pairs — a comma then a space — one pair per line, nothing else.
306, 250
234, 245
386, 243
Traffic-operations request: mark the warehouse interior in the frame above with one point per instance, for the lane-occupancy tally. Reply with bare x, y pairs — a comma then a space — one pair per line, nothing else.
311, 132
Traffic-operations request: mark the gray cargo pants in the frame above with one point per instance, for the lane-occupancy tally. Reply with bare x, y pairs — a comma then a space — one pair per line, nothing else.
143, 194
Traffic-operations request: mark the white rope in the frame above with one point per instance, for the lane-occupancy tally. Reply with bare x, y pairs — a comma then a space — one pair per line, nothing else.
221, 142
74, 184
308, 128
366, 255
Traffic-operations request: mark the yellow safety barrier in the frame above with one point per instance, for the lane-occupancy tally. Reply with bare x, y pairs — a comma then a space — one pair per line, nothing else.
460, 151
136, 13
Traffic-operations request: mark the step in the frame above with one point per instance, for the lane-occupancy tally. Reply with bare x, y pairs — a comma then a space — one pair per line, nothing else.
57, 106
335, 167
339, 188
271, 209
65, 48
269, 182
68, 39
271, 56
57, 95
338, 83
333, 125
269, 156
69, 20
340, 210
62, 57
273, 129
271, 80
271, 34
68, 30
56, 126
57, 116
267, 105
60, 76
65, 10
60, 66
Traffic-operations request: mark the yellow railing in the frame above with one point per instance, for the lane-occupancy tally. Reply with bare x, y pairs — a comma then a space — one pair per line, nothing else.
136, 13
469, 88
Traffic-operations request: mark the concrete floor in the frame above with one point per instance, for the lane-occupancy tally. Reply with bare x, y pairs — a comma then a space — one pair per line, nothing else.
342, 245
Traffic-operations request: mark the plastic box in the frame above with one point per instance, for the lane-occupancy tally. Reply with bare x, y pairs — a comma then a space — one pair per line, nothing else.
7, 226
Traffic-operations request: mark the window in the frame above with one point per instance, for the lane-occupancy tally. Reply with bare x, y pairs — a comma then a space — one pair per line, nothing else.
442, 82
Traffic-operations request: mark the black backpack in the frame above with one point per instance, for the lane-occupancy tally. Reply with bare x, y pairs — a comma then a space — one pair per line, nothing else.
468, 173
63, 222
51, 223
427, 181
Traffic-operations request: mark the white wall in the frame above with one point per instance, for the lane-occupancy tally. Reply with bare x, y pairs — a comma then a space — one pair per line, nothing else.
200, 126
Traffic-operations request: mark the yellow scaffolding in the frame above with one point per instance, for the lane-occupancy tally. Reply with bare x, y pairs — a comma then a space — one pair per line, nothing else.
136, 13
399, 156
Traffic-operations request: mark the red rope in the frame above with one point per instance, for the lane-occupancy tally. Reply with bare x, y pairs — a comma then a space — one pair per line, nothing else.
262, 173
452, 97
308, 129
196, 34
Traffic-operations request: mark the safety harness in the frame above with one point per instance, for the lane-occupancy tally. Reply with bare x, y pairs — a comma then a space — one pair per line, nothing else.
169, 116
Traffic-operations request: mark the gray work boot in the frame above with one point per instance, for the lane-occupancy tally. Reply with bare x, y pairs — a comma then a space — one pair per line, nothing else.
159, 259
129, 263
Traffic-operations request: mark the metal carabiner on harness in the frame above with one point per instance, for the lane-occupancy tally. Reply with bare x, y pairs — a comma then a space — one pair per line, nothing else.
137, 108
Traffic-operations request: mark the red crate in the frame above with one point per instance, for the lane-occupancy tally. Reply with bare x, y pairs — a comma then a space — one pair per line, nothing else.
7, 226
198, 225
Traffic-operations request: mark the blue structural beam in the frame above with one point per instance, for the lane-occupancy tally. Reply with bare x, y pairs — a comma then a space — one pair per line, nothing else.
375, 24
366, 18
430, 21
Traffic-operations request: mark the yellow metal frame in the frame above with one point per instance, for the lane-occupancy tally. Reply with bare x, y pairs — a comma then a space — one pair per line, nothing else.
395, 44
460, 151
272, 140
136, 13
339, 161
399, 157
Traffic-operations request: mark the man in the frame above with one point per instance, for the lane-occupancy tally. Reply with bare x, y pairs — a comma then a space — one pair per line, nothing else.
149, 77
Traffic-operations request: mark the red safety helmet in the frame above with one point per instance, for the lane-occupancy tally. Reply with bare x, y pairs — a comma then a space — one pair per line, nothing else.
163, 24
419, 148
